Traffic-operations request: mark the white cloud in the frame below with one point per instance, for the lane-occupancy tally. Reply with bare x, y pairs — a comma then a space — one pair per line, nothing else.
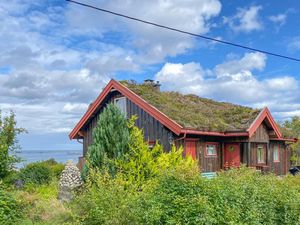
180, 76
234, 81
71, 108
279, 19
249, 62
245, 20
294, 44
152, 44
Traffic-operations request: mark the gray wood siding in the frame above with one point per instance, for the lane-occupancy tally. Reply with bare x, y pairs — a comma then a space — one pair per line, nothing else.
209, 163
88, 129
152, 128
260, 135
281, 167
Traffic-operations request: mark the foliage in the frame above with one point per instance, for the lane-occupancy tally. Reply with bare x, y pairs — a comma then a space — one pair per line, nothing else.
8, 143
234, 197
110, 139
41, 206
105, 201
36, 173
195, 112
291, 128
10, 210
141, 163
54, 166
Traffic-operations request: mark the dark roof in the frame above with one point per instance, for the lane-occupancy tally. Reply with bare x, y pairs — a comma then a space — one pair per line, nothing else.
194, 112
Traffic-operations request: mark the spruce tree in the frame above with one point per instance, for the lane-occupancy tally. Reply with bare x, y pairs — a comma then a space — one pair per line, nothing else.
110, 139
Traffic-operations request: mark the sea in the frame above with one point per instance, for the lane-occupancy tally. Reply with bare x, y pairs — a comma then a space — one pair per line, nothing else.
62, 156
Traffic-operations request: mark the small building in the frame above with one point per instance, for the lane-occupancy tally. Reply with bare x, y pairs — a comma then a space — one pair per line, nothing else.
218, 134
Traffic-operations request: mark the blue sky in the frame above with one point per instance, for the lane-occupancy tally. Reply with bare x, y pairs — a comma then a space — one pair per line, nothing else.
55, 57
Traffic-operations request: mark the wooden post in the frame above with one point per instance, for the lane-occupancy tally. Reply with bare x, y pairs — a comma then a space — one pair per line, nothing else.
249, 154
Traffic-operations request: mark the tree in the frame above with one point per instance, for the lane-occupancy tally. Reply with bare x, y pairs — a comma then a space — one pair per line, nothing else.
110, 139
291, 128
8, 143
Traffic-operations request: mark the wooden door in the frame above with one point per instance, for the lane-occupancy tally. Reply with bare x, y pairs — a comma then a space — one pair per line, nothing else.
232, 155
190, 149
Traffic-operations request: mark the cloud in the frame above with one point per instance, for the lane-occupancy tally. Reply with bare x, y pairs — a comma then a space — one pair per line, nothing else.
279, 19
235, 81
249, 62
294, 44
245, 20
152, 44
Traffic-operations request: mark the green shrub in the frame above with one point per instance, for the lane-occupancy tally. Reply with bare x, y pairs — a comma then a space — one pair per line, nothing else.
55, 167
8, 143
10, 211
36, 173
107, 201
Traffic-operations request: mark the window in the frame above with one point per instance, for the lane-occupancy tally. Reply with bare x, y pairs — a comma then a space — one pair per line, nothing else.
260, 154
276, 153
121, 104
211, 149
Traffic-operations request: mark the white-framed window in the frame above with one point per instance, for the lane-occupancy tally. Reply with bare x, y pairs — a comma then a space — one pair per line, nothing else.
121, 104
276, 157
211, 149
260, 154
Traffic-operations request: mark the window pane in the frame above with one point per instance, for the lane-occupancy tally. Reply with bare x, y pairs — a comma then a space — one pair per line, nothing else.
211, 150
260, 154
121, 104
276, 153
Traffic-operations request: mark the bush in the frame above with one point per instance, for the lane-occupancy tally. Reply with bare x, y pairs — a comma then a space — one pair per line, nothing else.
234, 197
36, 173
55, 167
8, 143
10, 211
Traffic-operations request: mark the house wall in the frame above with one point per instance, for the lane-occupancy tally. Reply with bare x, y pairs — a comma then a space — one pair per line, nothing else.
261, 135
283, 165
153, 129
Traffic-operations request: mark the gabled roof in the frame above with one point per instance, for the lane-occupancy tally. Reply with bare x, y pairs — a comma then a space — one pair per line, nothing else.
188, 114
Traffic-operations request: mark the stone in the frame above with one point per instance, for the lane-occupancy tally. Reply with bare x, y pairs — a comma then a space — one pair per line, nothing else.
70, 181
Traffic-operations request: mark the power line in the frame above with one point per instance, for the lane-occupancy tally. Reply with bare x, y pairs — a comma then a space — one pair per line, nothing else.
184, 32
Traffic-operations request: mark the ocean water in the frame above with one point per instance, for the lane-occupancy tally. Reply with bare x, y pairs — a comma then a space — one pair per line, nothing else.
62, 156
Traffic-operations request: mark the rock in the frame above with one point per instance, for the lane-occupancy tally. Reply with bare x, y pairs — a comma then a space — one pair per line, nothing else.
70, 180
19, 184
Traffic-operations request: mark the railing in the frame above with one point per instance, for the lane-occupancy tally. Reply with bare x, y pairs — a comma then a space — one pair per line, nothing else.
263, 168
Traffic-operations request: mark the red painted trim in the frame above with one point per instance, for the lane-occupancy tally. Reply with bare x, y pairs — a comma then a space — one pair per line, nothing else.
216, 144
215, 133
284, 139
90, 110
162, 118
191, 139
276, 161
264, 114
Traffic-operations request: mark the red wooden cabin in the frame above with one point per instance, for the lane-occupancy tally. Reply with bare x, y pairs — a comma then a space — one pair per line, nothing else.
219, 135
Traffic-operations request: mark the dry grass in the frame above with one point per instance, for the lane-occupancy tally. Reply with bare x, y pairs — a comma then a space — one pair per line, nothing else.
191, 111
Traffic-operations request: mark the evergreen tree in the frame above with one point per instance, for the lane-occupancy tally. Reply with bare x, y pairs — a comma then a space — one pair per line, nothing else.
110, 139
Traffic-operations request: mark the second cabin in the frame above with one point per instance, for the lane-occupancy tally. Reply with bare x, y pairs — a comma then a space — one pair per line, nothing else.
219, 135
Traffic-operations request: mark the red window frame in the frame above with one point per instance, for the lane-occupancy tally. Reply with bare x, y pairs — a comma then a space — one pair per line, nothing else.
276, 161
216, 148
